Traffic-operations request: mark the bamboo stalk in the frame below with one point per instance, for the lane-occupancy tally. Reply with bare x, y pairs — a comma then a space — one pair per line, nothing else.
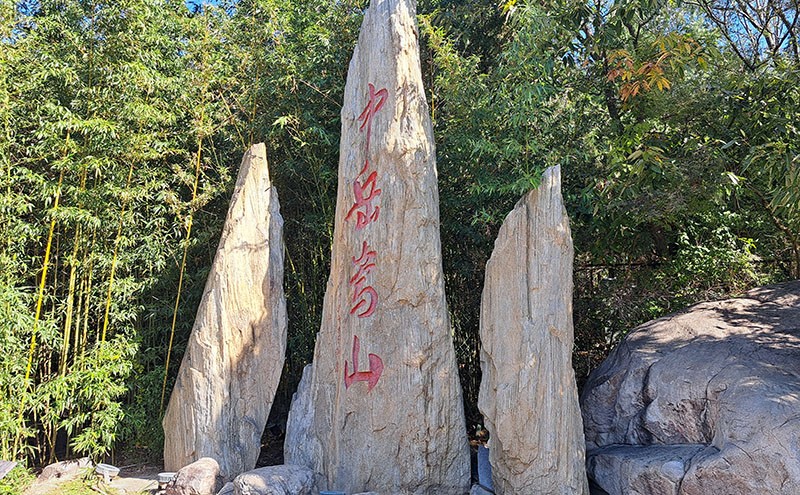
70, 305
73, 272
197, 169
180, 276
39, 300
88, 302
114, 257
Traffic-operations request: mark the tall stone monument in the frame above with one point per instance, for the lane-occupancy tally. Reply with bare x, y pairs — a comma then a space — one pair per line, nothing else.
235, 354
385, 400
528, 395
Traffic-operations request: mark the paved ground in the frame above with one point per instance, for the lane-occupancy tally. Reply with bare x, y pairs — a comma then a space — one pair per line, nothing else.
137, 480
134, 480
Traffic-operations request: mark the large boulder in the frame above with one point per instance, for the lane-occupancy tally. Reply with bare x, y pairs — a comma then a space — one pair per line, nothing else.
528, 396
234, 357
201, 477
706, 401
385, 392
275, 480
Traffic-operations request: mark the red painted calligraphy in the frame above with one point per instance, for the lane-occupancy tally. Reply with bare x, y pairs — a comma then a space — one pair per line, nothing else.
376, 101
365, 298
366, 191
363, 209
371, 377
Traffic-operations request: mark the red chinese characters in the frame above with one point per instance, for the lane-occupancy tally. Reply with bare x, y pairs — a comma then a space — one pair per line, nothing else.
364, 211
365, 190
371, 377
365, 193
365, 297
376, 101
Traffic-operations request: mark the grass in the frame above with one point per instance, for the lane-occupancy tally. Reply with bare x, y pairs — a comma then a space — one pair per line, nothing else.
20, 478
16, 481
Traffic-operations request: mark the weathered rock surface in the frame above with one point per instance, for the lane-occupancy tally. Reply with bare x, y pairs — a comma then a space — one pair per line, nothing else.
707, 400
300, 447
234, 357
64, 469
642, 469
528, 396
385, 387
6, 467
479, 490
275, 480
201, 477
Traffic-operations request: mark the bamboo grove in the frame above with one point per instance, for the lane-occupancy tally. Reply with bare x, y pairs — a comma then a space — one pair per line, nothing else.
122, 125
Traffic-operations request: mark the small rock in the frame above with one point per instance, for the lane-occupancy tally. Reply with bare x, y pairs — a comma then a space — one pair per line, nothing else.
655, 469
64, 469
301, 447
479, 490
227, 489
275, 480
198, 478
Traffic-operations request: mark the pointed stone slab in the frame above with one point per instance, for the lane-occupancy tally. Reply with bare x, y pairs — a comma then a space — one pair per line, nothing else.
6, 467
528, 395
233, 361
385, 392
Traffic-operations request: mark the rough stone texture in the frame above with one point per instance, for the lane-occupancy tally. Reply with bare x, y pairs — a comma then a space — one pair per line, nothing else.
6, 467
235, 355
64, 469
300, 447
393, 422
479, 490
528, 395
201, 477
275, 480
715, 387
642, 470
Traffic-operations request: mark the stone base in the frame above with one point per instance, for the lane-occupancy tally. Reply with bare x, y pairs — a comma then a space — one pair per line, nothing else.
640, 470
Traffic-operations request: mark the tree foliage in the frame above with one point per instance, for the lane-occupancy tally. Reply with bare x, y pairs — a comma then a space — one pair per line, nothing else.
122, 124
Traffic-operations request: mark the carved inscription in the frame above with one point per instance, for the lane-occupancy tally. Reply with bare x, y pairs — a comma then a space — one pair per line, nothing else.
371, 377
365, 297
364, 211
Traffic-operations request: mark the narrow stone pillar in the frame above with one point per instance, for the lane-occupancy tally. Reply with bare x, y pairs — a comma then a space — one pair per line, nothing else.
384, 395
233, 361
528, 395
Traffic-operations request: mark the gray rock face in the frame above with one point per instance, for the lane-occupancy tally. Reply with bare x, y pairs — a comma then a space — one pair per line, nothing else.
235, 355
479, 490
201, 477
528, 395
275, 480
642, 469
708, 401
385, 392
